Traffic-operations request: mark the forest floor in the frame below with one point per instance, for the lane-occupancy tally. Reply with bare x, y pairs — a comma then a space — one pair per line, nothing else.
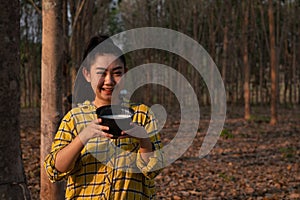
251, 160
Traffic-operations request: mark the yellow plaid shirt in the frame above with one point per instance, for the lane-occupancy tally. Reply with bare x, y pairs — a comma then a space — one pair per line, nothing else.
107, 168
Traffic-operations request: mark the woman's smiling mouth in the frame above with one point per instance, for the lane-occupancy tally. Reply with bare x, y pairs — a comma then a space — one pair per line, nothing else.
107, 91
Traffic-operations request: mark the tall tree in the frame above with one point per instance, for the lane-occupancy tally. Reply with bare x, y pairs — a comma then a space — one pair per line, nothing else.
245, 8
12, 178
51, 99
273, 64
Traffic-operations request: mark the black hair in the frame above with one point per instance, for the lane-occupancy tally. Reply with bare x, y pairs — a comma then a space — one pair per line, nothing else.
82, 89
107, 46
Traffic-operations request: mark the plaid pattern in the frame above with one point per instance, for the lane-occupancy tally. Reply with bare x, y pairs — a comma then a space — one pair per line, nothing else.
105, 168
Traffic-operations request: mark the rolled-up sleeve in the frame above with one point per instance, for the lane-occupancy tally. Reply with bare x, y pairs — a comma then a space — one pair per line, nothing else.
155, 164
153, 167
65, 134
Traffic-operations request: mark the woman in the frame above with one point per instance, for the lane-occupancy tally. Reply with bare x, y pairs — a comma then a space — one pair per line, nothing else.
95, 165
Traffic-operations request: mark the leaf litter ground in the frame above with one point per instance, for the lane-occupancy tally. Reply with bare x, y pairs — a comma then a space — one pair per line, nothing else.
251, 160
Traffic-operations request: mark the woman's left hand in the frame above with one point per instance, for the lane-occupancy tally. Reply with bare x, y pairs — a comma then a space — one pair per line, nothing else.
139, 132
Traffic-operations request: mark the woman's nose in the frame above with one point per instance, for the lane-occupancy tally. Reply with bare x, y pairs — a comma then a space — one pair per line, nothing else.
109, 79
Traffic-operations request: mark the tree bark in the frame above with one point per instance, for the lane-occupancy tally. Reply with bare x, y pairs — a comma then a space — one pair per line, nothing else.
51, 99
12, 177
246, 63
273, 64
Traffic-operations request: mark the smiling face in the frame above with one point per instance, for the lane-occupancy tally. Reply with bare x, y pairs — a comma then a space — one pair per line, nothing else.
105, 73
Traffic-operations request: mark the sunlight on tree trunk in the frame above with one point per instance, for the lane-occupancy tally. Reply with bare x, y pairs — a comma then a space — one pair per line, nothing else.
51, 100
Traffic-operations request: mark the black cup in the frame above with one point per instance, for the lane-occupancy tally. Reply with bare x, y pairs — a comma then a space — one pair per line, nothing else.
116, 117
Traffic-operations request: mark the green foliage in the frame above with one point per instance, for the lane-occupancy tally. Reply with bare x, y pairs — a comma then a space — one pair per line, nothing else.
287, 152
226, 134
288, 105
115, 21
259, 119
226, 177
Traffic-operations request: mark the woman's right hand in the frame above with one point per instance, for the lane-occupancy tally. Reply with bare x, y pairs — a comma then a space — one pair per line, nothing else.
94, 129
66, 157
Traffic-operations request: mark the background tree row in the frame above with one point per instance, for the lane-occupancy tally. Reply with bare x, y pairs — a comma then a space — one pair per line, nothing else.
230, 31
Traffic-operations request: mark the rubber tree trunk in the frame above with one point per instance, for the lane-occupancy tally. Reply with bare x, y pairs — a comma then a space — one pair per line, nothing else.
273, 63
51, 97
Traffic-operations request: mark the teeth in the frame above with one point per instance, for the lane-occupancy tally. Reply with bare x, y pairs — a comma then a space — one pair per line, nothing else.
107, 89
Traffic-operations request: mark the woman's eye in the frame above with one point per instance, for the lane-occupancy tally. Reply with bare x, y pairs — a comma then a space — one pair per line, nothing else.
118, 73
100, 72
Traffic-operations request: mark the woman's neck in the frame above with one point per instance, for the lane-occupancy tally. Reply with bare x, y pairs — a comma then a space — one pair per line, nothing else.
98, 103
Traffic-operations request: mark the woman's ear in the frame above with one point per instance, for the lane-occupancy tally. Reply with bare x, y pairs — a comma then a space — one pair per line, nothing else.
86, 74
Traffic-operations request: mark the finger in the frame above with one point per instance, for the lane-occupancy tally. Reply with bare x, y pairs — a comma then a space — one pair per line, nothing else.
105, 128
96, 121
106, 134
123, 133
